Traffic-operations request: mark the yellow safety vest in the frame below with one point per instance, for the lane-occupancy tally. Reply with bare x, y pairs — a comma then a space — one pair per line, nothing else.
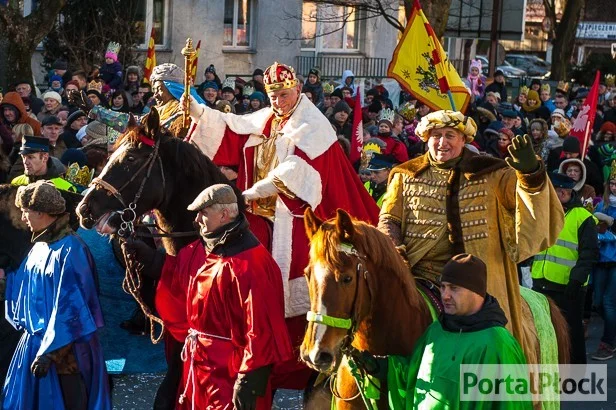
60, 183
555, 263
379, 202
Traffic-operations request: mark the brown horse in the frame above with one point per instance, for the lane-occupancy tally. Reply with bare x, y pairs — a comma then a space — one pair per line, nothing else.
363, 295
348, 263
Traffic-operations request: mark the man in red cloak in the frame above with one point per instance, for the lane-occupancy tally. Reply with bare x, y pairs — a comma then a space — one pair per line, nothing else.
288, 159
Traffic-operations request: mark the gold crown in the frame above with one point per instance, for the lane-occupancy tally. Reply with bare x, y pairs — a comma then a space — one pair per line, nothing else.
387, 114
279, 77
613, 170
545, 87
95, 85
563, 86
562, 127
524, 90
113, 47
229, 82
407, 111
248, 90
79, 176
610, 80
328, 88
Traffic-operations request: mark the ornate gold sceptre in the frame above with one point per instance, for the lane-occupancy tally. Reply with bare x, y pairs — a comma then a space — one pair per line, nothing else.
189, 54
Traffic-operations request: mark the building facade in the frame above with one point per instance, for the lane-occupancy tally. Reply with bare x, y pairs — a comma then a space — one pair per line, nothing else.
238, 36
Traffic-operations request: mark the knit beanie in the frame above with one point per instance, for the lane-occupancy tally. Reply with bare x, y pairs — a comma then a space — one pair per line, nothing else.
572, 145
53, 95
55, 78
257, 95
337, 93
341, 106
375, 107
507, 132
40, 196
467, 271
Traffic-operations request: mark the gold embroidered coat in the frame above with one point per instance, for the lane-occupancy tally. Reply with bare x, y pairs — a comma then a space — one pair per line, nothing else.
482, 207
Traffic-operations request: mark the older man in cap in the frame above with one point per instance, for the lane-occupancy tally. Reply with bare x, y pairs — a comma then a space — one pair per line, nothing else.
52, 296
470, 332
168, 86
562, 271
451, 201
288, 159
223, 295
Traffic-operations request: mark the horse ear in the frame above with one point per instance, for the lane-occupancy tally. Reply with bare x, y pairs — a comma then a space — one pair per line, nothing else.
132, 122
344, 225
312, 223
152, 123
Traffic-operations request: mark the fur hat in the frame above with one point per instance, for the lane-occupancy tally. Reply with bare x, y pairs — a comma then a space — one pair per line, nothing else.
167, 72
41, 196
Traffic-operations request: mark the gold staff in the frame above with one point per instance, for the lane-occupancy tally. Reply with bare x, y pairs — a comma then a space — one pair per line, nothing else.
189, 54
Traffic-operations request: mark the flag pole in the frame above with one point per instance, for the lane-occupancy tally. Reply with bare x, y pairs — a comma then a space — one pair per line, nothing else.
453, 105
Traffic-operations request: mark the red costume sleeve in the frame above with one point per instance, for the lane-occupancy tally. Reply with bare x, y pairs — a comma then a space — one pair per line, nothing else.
257, 307
340, 188
230, 151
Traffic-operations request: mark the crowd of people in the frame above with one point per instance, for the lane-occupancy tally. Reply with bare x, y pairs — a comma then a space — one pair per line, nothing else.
444, 182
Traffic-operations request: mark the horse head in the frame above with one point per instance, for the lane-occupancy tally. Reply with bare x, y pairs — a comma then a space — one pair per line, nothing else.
132, 182
340, 288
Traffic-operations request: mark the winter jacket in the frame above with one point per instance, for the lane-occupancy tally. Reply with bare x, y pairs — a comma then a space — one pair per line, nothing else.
317, 92
111, 74
607, 240
12, 98
346, 74
584, 190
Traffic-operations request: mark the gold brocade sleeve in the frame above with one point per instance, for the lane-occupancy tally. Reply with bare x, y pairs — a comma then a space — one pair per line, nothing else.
393, 201
280, 186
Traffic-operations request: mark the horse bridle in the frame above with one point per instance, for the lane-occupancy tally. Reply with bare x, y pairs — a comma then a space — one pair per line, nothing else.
349, 324
128, 214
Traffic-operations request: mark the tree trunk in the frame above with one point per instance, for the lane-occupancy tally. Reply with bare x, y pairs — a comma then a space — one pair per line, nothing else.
565, 39
437, 13
25, 34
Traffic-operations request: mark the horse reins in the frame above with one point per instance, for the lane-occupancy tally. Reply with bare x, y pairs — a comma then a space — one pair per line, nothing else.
349, 324
132, 280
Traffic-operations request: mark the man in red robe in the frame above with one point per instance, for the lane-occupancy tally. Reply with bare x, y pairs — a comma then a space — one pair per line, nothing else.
230, 289
288, 158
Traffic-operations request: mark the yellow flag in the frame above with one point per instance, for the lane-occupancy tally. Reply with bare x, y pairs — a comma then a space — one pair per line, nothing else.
150, 61
421, 66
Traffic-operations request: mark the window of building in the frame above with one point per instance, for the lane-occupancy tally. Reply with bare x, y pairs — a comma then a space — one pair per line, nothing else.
152, 14
238, 32
327, 27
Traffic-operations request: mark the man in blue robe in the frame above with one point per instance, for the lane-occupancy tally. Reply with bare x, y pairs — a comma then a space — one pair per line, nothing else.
58, 363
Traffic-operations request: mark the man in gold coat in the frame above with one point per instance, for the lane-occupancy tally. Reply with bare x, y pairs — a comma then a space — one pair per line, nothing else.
451, 200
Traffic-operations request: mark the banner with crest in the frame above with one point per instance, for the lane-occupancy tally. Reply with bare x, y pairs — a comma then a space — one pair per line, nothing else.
421, 66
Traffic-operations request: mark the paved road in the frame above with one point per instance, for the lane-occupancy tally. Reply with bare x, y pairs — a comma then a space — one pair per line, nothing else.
136, 392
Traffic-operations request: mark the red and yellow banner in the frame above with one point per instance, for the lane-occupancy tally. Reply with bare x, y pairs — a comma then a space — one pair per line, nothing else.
421, 66
195, 63
150, 61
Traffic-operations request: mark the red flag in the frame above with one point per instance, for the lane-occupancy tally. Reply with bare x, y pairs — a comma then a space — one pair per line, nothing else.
150, 61
357, 138
582, 126
195, 63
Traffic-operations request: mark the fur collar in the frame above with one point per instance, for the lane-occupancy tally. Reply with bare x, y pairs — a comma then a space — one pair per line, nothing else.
472, 165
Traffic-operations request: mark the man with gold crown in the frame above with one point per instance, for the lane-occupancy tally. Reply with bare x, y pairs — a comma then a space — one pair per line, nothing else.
451, 201
288, 159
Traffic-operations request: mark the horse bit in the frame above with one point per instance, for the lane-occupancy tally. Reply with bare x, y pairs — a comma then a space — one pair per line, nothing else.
128, 214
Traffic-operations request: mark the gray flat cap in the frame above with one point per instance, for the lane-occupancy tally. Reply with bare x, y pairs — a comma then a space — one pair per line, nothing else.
215, 194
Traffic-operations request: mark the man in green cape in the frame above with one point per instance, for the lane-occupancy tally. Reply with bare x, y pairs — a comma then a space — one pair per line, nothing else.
471, 331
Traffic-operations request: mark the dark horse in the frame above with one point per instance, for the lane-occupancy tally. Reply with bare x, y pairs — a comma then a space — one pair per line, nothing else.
152, 170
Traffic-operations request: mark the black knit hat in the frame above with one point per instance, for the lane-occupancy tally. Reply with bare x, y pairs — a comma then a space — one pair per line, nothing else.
467, 271
375, 106
572, 145
337, 93
341, 106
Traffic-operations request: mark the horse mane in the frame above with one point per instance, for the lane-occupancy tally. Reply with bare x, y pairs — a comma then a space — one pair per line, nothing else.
194, 168
375, 246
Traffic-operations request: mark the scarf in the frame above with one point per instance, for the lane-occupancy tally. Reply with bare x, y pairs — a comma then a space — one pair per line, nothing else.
612, 200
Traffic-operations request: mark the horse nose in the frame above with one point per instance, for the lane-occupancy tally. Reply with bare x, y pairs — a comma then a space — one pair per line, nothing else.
323, 359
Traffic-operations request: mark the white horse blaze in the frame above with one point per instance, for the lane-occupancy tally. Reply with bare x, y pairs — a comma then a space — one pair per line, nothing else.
320, 273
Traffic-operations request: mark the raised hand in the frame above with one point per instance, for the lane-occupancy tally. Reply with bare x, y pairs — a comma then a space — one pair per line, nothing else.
523, 157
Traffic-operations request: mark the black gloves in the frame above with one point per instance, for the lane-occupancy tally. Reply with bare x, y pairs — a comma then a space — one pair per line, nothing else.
523, 158
40, 366
572, 291
373, 365
81, 100
151, 259
249, 386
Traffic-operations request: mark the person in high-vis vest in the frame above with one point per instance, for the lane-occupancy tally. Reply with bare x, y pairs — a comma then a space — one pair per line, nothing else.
563, 270
38, 164
379, 168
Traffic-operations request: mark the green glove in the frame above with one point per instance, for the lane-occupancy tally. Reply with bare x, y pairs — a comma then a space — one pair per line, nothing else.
523, 158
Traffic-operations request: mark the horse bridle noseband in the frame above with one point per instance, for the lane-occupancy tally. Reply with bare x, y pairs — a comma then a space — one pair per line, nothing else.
128, 214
